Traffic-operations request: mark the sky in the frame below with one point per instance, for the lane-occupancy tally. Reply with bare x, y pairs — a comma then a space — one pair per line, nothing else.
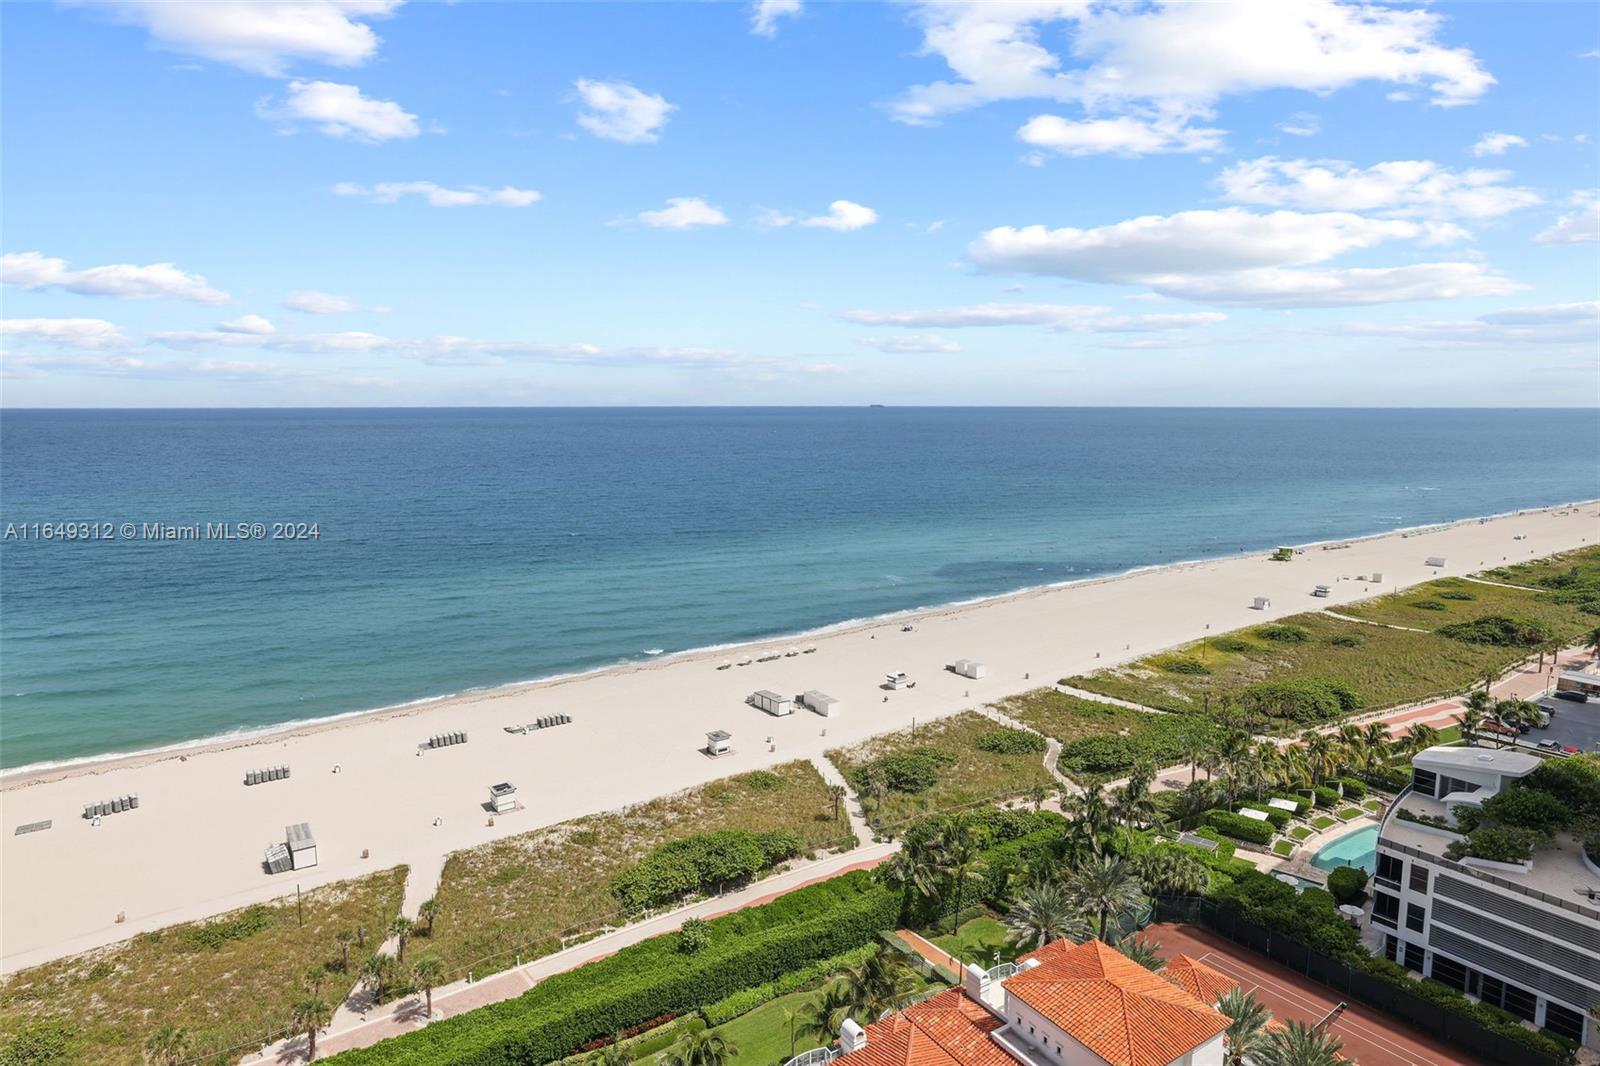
375, 203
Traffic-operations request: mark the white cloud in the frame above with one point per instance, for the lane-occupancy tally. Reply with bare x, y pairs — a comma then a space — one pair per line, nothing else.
1124, 136
80, 333
1276, 287
1301, 124
1572, 323
1578, 227
253, 325
322, 303
766, 13
905, 343
1167, 65
616, 111
1497, 143
842, 216
684, 212
1236, 257
341, 111
305, 343
31, 270
261, 36
1415, 188
1061, 317
388, 192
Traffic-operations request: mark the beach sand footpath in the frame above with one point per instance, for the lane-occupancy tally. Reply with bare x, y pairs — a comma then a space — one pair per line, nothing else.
194, 846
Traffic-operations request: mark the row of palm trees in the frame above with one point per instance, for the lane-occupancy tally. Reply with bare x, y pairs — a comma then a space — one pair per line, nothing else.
1250, 1036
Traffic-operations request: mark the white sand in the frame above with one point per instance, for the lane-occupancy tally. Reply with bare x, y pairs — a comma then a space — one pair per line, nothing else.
194, 847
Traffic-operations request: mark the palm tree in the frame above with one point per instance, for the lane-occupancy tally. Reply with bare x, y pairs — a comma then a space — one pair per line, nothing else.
1143, 952
1247, 1027
1044, 912
1470, 719
1172, 871
1379, 748
167, 1045
821, 1016
1105, 887
790, 1016
1353, 746
1322, 755
700, 1048
1298, 1044
1038, 794
401, 929
1594, 641
311, 1014
914, 868
344, 936
836, 793
1420, 737
1192, 750
876, 985
1132, 805
959, 856
428, 910
426, 973
378, 974
1091, 817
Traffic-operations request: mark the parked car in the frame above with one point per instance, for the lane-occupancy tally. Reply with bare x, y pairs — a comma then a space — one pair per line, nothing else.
1572, 694
1570, 749
1550, 745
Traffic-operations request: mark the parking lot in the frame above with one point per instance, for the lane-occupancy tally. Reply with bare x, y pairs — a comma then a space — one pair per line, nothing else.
1577, 724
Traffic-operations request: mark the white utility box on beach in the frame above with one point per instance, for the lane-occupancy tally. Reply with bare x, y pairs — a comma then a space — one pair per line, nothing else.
1261, 603
822, 703
769, 701
503, 797
970, 668
1435, 560
302, 846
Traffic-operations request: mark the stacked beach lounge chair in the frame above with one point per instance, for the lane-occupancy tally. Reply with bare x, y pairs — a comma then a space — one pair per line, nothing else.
444, 740
113, 806
271, 773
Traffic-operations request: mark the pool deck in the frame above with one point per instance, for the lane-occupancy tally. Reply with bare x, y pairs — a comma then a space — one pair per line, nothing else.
1299, 864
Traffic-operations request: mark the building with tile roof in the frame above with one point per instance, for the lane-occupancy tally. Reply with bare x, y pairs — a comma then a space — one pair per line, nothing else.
1205, 983
1063, 1005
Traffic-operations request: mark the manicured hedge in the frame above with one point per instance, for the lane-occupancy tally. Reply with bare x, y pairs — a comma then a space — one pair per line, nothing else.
748, 999
706, 862
1326, 797
1354, 788
1239, 827
649, 979
1276, 818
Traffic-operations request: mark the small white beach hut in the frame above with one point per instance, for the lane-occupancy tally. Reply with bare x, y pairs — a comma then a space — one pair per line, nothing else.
769, 701
822, 703
970, 668
1435, 560
718, 742
1261, 603
503, 797
302, 846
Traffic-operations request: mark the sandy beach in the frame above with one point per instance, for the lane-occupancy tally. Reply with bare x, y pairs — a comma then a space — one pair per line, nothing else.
194, 846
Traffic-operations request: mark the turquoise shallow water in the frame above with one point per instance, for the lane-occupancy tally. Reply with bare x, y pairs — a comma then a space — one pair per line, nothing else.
464, 548
1359, 848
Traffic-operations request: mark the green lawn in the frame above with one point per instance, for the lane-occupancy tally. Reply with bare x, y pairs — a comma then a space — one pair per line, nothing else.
1102, 741
1436, 603
1284, 848
1350, 812
981, 940
523, 893
227, 981
1322, 821
973, 775
1300, 832
1384, 667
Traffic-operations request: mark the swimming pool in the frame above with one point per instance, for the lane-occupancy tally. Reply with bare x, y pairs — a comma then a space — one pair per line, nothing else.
1353, 849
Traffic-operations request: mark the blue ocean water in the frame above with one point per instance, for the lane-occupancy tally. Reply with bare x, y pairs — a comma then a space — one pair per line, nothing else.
466, 548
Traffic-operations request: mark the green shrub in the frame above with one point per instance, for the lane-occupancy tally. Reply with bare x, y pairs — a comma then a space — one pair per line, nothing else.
1429, 605
1306, 699
1460, 595
1575, 782
1326, 797
1499, 631
1301, 803
1011, 742
1183, 665
1388, 778
1158, 738
1347, 883
1282, 634
911, 771
701, 863
1346, 640
1495, 844
760, 781
246, 923
1354, 788
693, 936
1232, 644
650, 979
1528, 808
1239, 827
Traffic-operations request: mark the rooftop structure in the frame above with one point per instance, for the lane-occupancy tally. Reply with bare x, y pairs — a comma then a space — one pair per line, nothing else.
1524, 937
1064, 1005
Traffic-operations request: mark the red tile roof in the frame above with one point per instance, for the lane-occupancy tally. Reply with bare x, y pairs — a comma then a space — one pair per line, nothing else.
947, 1030
1199, 980
1113, 1006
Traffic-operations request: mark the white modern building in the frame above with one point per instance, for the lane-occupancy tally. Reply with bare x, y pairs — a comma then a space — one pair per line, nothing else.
1522, 936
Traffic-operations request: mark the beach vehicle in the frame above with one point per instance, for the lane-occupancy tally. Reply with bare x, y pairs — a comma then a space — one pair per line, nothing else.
1550, 745
1282, 555
1322, 590
897, 679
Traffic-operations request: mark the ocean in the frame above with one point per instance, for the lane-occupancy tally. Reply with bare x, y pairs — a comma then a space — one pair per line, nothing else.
458, 549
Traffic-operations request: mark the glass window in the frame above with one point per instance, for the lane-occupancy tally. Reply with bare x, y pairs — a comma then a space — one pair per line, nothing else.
1419, 878
1411, 956
1506, 996
1391, 946
1424, 781
1385, 909
1391, 868
1415, 917
1563, 1022
1448, 971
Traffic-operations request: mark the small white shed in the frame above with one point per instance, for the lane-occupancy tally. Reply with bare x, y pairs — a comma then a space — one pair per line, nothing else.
302, 846
503, 797
769, 701
1261, 603
970, 668
1435, 560
822, 703
718, 741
